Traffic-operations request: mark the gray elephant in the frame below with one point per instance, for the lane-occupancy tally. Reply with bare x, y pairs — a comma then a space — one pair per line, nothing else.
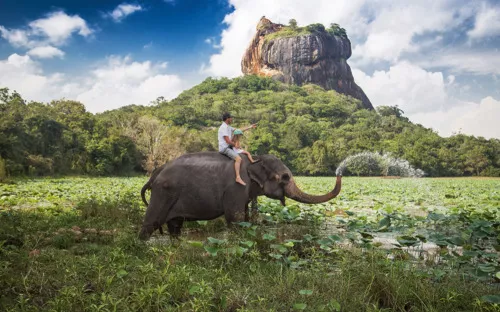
201, 186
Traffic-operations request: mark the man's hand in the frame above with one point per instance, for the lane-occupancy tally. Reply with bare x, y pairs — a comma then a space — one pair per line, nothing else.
252, 126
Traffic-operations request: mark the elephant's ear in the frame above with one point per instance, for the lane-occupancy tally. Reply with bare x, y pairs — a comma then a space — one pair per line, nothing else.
257, 172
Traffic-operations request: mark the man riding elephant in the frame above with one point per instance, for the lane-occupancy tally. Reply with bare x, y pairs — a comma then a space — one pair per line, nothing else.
226, 145
177, 197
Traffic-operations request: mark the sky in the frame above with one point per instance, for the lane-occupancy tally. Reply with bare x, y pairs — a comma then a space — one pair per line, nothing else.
438, 60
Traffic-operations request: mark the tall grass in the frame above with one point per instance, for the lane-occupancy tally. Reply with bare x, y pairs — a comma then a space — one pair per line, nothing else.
90, 259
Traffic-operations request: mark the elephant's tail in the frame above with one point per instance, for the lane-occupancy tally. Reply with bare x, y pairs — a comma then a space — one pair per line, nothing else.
148, 184
146, 187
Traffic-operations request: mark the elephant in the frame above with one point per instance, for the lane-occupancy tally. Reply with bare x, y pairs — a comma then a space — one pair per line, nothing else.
201, 186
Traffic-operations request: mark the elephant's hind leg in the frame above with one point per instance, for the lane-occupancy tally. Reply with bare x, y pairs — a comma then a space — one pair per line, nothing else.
156, 214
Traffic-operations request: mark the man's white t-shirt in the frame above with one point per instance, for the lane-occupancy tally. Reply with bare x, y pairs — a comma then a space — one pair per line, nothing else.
224, 130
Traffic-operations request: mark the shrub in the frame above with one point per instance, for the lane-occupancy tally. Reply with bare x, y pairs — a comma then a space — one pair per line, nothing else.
336, 30
3, 171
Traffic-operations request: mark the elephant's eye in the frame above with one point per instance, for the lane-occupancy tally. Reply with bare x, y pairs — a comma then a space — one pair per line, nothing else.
285, 177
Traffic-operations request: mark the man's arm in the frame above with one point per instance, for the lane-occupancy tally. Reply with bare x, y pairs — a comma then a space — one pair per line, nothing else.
249, 127
228, 140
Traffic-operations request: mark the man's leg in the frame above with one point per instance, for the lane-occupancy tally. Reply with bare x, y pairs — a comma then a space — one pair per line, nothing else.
237, 164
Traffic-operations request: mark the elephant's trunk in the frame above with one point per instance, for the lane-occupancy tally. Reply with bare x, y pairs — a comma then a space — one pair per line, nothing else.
293, 192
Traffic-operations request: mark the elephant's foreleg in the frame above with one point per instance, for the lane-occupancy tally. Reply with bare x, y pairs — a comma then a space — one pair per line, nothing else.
254, 209
234, 203
174, 227
247, 215
235, 213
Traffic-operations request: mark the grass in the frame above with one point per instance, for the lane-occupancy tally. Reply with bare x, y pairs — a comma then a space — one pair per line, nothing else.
67, 245
287, 32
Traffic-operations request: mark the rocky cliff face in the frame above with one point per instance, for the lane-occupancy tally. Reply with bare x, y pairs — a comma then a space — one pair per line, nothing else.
318, 58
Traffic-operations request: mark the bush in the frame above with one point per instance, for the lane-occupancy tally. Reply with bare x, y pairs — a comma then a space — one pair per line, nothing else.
3, 170
39, 165
336, 30
316, 28
490, 172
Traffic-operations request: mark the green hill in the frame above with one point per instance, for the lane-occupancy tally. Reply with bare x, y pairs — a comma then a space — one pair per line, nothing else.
311, 129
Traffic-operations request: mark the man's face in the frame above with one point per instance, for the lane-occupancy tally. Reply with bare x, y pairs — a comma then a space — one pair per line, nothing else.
229, 120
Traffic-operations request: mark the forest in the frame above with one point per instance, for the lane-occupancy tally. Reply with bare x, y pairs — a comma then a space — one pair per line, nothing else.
310, 129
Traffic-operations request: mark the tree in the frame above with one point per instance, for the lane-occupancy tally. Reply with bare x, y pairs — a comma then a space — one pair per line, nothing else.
390, 111
3, 171
316, 28
292, 23
476, 160
153, 141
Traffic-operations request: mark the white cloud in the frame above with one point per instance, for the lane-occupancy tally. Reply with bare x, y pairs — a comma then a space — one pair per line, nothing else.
482, 119
123, 10
46, 52
422, 96
396, 24
211, 41
243, 20
119, 81
475, 62
487, 22
54, 29
57, 27
380, 31
478, 119
410, 87
16, 37
24, 75
148, 46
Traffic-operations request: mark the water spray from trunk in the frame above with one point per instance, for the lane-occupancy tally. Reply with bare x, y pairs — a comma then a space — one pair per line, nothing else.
375, 164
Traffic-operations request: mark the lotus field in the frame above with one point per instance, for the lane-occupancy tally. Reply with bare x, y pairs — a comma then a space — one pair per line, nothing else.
409, 244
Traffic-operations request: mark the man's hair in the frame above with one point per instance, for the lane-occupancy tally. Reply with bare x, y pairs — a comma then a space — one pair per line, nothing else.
225, 116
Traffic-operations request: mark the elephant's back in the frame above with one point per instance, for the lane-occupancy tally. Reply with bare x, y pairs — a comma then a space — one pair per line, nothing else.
203, 161
200, 170
200, 180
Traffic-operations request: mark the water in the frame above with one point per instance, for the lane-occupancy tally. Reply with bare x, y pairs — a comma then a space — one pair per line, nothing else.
375, 164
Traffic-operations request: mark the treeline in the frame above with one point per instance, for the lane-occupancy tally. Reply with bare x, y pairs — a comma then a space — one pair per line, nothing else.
310, 129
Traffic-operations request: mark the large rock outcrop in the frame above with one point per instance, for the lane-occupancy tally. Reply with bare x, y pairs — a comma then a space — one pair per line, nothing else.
316, 57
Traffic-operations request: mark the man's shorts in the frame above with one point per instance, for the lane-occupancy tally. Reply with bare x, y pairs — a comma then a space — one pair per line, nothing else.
229, 152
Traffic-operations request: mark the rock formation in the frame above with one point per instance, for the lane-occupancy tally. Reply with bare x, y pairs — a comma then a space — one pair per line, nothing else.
317, 57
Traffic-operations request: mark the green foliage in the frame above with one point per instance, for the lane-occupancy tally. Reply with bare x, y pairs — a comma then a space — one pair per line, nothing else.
316, 28
336, 30
56, 257
310, 129
293, 30
3, 171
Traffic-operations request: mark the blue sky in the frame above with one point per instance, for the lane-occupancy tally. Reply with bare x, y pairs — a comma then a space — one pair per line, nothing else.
158, 30
437, 59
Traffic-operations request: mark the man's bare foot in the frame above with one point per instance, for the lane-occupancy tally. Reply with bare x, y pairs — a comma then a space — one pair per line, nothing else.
240, 181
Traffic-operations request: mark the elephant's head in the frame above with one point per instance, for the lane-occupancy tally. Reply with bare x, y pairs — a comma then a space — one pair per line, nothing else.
276, 181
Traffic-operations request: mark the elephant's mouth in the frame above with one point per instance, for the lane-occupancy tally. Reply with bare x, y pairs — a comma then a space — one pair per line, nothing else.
292, 191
